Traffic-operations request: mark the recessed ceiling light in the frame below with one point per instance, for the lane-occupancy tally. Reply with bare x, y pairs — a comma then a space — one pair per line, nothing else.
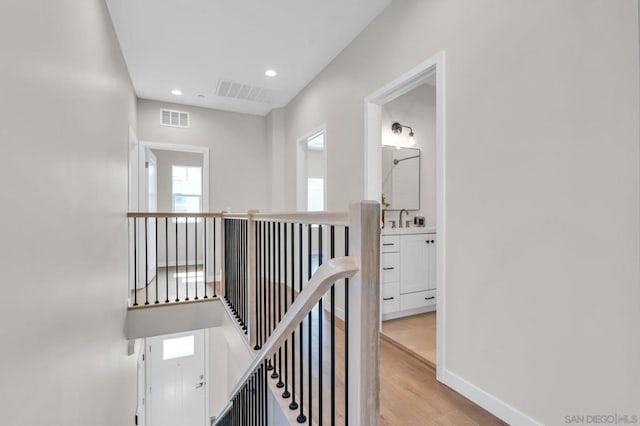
270, 73
176, 92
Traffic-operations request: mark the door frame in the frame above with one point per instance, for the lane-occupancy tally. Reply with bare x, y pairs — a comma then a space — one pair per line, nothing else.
206, 183
373, 179
179, 148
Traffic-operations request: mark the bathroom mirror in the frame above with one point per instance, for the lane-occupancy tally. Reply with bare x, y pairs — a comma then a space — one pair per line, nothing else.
401, 178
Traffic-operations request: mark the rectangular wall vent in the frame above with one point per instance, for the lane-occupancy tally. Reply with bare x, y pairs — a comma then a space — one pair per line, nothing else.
174, 118
245, 92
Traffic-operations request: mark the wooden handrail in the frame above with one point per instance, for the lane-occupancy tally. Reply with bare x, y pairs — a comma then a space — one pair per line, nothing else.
311, 218
319, 284
174, 215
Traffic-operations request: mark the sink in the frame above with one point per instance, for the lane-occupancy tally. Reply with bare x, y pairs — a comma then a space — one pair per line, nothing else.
411, 230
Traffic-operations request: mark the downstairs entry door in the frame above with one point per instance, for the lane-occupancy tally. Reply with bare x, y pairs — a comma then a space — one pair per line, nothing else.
176, 386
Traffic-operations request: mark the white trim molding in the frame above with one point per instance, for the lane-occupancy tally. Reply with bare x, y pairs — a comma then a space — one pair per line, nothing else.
495, 406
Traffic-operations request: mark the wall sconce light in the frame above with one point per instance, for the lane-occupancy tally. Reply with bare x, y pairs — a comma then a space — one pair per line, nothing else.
396, 128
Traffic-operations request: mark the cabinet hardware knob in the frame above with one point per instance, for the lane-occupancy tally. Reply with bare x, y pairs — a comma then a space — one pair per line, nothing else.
388, 268
387, 298
429, 298
431, 241
427, 241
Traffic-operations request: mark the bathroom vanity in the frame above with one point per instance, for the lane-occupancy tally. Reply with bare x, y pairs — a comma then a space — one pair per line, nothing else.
408, 271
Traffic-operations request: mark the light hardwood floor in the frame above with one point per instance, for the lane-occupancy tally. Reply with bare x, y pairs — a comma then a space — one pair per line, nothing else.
179, 283
415, 334
409, 391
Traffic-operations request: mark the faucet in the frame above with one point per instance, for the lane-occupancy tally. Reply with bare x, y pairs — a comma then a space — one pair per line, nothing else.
400, 218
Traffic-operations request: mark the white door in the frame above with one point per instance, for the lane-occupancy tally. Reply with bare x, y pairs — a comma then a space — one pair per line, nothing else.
151, 198
176, 386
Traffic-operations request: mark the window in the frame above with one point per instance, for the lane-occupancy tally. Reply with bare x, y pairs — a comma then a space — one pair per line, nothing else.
178, 347
186, 189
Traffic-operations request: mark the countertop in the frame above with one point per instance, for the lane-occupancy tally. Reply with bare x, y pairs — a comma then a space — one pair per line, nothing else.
409, 231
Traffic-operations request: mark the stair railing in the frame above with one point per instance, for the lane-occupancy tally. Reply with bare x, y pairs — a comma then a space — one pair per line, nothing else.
283, 288
173, 257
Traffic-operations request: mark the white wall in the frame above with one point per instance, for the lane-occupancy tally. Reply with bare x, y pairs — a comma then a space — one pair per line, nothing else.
65, 110
276, 142
542, 172
239, 168
417, 109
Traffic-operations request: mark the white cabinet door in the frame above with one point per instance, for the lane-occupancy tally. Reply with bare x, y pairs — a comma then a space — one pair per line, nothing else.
414, 263
432, 284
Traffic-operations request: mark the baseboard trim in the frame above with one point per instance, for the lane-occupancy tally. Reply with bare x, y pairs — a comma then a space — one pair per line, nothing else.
495, 406
407, 313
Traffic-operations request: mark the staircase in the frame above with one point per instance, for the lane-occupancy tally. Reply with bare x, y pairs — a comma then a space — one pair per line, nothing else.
303, 289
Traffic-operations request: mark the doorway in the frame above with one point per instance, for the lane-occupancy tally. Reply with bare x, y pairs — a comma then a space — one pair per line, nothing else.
174, 178
312, 171
176, 385
413, 255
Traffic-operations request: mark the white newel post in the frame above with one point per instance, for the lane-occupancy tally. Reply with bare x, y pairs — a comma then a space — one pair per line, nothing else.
252, 331
364, 315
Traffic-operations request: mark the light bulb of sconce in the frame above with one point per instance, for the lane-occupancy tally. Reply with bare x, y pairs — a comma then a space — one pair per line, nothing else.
412, 139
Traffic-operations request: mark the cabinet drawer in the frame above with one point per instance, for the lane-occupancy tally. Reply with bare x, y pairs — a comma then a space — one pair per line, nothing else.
390, 265
390, 297
390, 243
420, 299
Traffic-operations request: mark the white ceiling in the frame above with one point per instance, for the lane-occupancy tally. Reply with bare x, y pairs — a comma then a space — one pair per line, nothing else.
192, 44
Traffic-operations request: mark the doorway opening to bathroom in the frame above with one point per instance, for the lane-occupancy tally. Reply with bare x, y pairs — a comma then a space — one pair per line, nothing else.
404, 170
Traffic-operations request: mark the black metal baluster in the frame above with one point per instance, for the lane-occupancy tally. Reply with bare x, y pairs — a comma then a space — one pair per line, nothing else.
204, 255
286, 393
156, 278
186, 256
245, 252
275, 374
266, 401
146, 262
195, 256
256, 326
166, 258
233, 267
176, 266
214, 258
332, 352
135, 261
320, 332
346, 333
263, 284
236, 269
310, 325
263, 256
293, 405
269, 297
280, 384
301, 417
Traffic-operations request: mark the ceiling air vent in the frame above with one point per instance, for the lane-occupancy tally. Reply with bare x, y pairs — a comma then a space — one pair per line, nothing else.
245, 92
174, 118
